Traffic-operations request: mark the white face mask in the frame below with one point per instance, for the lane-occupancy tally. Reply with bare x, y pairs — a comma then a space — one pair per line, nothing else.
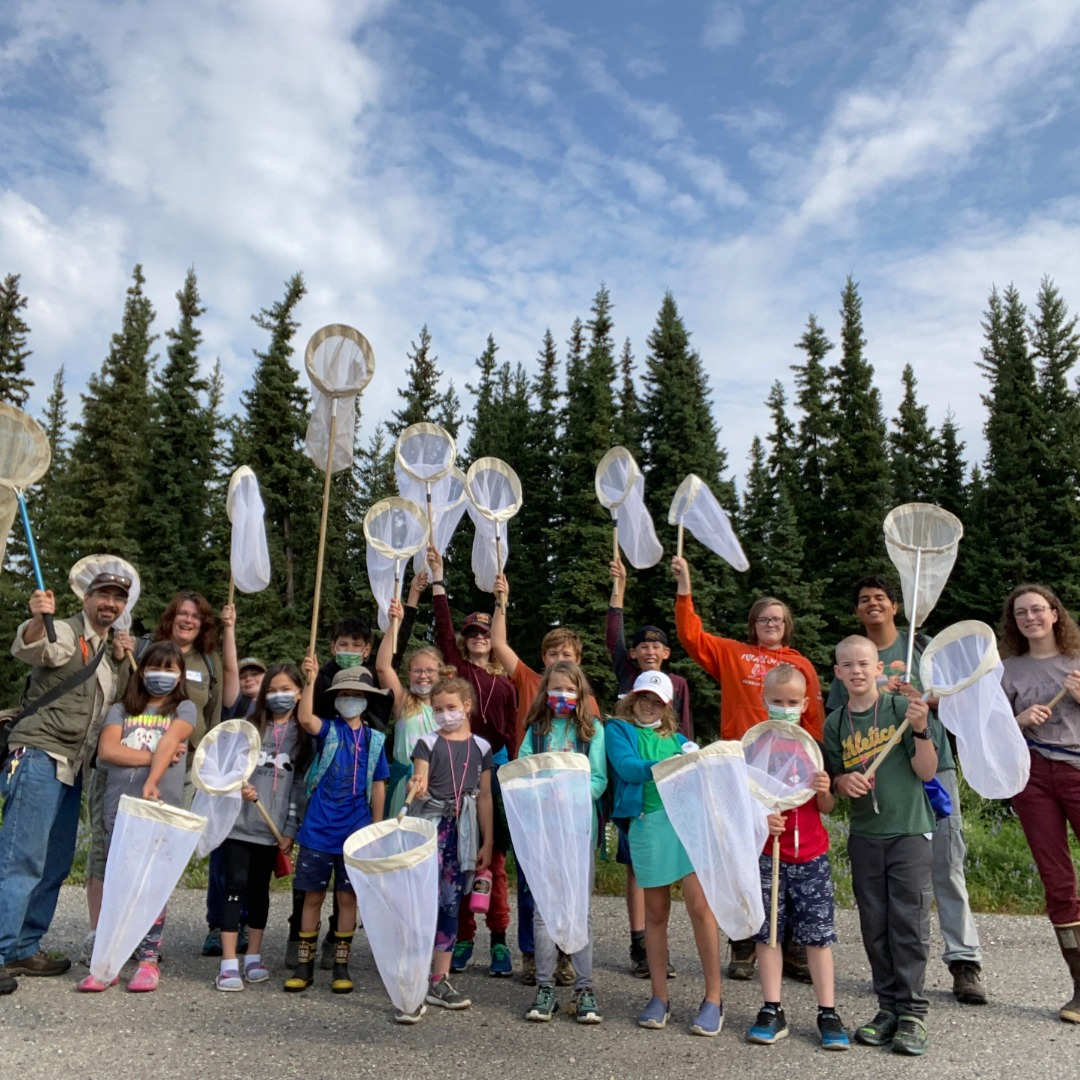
420, 689
647, 723
351, 707
782, 712
450, 719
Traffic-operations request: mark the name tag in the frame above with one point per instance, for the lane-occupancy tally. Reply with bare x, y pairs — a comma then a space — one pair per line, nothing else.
194, 676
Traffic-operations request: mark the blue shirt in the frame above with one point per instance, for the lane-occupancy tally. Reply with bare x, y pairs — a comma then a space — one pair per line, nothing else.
339, 805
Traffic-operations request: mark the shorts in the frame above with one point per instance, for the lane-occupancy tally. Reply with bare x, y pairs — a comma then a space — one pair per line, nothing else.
313, 870
95, 805
806, 889
659, 857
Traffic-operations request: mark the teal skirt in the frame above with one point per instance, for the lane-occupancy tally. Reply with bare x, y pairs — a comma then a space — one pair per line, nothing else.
656, 854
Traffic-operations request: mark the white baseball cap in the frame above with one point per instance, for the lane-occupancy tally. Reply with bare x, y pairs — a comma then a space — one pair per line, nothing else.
654, 682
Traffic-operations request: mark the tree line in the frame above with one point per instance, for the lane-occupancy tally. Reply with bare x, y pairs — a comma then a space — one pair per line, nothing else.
141, 467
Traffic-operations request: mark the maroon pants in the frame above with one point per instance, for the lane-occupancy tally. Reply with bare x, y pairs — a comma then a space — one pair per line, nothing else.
498, 913
1046, 808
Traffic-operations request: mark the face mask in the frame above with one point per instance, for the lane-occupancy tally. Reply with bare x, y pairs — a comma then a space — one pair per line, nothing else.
450, 719
782, 712
351, 707
281, 702
160, 682
647, 723
420, 689
562, 702
348, 659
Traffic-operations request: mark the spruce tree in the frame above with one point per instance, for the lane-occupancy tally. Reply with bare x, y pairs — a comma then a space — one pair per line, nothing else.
49, 495
483, 433
783, 459
14, 384
629, 422
912, 447
949, 483
423, 401
755, 519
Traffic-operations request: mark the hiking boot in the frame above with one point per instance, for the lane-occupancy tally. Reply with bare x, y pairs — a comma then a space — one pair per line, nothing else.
770, 1026
463, 951
709, 1020
211, 945
967, 984
879, 1031
586, 1010
8, 983
341, 982
544, 1005
796, 965
743, 955
441, 993
40, 965
501, 966
304, 975
639, 963
1069, 942
911, 1037
564, 971
326, 957
528, 968
831, 1029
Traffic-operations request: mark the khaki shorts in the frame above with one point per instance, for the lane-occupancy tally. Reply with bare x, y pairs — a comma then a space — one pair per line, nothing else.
95, 803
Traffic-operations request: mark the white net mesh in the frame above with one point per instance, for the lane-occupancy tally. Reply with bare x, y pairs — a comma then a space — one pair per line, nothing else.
339, 361
927, 535
9, 509
493, 488
490, 549
85, 570
426, 452
781, 761
394, 869
396, 529
249, 557
448, 504
695, 507
317, 437
548, 807
959, 656
707, 797
621, 488
224, 759
149, 850
24, 448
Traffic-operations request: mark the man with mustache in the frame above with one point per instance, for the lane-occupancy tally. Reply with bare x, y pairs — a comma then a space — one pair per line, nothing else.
50, 744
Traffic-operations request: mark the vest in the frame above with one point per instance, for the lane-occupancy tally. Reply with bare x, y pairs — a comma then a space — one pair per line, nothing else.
321, 765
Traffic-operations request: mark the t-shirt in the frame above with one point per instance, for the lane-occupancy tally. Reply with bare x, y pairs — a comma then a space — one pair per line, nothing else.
1029, 680
407, 731
143, 732
894, 659
527, 683
454, 765
652, 746
339, 804
273, 779
898, 805
740, 669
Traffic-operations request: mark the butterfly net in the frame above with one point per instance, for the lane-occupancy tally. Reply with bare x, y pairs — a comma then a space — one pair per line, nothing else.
781, 761
620, 487
921, 540
695, 508
396, 529
548, 804
150, 847
494, 494
394, 869
707, 798
426, 452
25, 453
339, 360
249, 557
448, 504
224, 759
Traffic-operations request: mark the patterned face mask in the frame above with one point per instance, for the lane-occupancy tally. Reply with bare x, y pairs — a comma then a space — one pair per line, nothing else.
562, 702
450, 719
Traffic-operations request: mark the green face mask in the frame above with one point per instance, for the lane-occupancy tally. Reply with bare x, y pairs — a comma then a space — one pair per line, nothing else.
348, 659
781, 712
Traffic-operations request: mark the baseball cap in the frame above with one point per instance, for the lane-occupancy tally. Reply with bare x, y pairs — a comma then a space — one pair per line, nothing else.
649, 633
654, 682
478, 620
252, 662
110, 581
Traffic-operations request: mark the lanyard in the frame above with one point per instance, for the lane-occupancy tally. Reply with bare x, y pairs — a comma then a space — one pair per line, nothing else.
459, 792
864, 757
277, 750
358, 739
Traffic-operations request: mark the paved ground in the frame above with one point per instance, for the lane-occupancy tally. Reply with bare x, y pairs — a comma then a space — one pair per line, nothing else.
187, 1029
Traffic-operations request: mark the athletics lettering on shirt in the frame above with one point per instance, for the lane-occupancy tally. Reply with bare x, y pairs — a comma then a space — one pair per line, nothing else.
864, 747
144, 732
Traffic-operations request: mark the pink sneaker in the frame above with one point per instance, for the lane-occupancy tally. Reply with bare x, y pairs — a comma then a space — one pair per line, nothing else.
90, 985
145, 979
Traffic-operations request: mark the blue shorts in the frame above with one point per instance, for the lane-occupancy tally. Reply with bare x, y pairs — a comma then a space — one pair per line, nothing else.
313, 870
806, 890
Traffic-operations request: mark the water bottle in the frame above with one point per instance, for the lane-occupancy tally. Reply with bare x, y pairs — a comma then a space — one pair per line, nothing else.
480, 900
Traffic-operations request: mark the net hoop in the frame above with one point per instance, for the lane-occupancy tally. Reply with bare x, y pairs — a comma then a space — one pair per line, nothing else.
25, 453
389, 506
898, 528
721, 748
623, 456
808, 743
413, 857
226, 727
532, 764
967, 628
424, 476
359, 364
472, 481
161, 812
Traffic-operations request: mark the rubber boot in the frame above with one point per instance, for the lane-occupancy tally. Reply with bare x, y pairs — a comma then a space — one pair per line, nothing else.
342, 984
304, 975
1069, 940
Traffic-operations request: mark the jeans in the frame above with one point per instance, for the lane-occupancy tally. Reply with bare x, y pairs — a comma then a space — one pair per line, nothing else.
37, 846
950, 886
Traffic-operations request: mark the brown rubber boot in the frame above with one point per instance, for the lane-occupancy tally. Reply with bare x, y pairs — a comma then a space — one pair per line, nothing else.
1069, 940
304, 975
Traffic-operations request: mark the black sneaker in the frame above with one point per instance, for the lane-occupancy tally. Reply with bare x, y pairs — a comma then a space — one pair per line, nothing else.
769, 1027
833, 1035
911, 1037
639, 964
879, 1031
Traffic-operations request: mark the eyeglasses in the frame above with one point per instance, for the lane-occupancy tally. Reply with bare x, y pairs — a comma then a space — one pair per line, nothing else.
772, 620
477, 633
1034, 612
419, 673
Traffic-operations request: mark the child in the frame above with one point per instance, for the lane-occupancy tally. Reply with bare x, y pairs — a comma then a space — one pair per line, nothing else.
890, 842
346, 788
451, 785
806, 888
494, 719
644, 733
250, 852
562, 719
143, 741
412, 706
648, 653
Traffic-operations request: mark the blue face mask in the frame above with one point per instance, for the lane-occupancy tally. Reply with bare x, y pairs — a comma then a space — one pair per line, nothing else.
281, 702
351, 707
158, 683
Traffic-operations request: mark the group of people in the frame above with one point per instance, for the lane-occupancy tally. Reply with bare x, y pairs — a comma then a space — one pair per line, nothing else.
344, 746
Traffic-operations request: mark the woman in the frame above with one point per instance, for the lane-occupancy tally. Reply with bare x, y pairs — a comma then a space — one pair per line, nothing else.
1041, 649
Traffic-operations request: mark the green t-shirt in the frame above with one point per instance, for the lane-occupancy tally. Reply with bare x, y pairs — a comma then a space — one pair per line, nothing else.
898, 805
652, 746
894, 660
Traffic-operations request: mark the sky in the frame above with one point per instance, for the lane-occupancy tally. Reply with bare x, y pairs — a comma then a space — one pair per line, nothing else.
482, 168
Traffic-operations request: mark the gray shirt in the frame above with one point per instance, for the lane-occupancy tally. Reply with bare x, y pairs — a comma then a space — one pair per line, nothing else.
1030, 680
273, 779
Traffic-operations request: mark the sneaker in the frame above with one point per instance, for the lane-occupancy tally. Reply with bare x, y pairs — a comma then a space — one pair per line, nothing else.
911, 1037
879, 1031
833, 1035
410, 1018
211, 945
564, 971
145, 979
501, 967
743, 956
87, 953
462, 955
441, 993
671, 973
90, 985
586, 1010
967, 984
655, 1015
770, 1026
228, 981
528, 968
709, 1020
639, 963
257, 972
326, 957
544, 1005
40, 965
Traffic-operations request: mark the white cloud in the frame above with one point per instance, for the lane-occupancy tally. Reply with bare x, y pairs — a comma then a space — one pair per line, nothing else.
723, 26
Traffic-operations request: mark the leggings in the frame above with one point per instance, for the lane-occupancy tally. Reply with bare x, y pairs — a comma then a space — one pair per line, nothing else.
451, 886
248, 868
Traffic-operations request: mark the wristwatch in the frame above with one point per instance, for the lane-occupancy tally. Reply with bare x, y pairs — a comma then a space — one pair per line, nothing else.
924, 734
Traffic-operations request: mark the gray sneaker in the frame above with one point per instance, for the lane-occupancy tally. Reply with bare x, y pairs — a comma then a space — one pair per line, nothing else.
410, 1018
441, 993
544, 1006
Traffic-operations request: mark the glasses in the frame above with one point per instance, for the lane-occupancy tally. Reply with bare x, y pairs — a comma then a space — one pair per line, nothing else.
477, 633
771, 620
1034, 612
419, 673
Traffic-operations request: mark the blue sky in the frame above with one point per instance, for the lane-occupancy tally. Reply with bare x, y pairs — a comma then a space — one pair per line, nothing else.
483, 167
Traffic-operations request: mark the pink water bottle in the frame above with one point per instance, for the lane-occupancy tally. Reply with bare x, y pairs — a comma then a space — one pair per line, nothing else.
480, 900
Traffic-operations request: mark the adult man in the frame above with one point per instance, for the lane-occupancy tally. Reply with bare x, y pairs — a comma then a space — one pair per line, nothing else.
41, 778
876, 607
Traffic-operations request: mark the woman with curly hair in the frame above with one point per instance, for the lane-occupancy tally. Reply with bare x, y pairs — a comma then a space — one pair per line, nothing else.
1041, 646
